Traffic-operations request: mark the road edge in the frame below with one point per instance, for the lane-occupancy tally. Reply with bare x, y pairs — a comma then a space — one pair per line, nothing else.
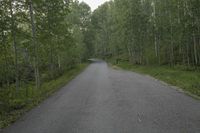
179, 89
36, 104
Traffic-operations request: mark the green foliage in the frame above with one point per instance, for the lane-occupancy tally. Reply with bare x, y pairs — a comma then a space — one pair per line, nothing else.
14, 105
178, 76
155, 37
41, 37
39, 41
148, 31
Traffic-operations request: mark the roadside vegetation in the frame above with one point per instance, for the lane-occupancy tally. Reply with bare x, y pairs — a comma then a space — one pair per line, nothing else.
42, 44
14, 105
154, 37
185, 78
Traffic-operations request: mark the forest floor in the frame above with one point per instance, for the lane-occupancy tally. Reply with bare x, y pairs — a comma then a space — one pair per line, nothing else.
184, 80
22, 103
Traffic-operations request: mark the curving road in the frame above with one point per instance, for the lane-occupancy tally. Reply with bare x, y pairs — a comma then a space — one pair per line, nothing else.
104, 100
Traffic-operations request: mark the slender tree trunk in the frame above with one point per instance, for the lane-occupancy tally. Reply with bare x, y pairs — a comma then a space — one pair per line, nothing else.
13, 32
194, 43
155, 31
159, 62
188, 57
5, 67
157, 47
37, 75
186, 41
59, 62
180, 49
198, 43
171, 41
52, 61
195, 49
156, 42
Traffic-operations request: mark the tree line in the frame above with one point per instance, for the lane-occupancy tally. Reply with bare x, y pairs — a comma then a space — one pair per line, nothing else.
148, 31
40, 40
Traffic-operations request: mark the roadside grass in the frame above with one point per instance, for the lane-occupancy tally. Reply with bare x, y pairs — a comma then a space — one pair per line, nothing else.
188, 80
12, 106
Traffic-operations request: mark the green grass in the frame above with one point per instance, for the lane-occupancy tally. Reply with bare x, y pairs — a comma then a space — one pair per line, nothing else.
13, 106
178, 76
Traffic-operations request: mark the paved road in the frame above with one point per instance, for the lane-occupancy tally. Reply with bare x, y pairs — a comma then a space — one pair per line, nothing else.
104, 100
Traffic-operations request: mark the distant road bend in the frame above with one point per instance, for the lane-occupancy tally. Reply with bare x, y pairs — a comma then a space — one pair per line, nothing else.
104, 100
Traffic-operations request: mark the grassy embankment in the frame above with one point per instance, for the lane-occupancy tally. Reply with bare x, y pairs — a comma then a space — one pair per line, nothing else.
12, 107
186, 79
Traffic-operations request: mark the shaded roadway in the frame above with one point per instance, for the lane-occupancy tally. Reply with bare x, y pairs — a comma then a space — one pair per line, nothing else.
104, 100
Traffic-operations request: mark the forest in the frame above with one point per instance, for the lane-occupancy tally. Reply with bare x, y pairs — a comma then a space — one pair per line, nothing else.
149, 31
160, 38
40, 40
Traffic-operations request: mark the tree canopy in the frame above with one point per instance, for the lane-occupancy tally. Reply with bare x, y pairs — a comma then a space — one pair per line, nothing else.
40, 39
149, 31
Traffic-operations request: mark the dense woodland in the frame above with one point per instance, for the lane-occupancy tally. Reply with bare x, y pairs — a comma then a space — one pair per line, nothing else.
39, 39
154, 32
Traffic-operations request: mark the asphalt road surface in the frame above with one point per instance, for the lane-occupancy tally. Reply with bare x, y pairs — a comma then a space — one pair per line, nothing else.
104, 100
